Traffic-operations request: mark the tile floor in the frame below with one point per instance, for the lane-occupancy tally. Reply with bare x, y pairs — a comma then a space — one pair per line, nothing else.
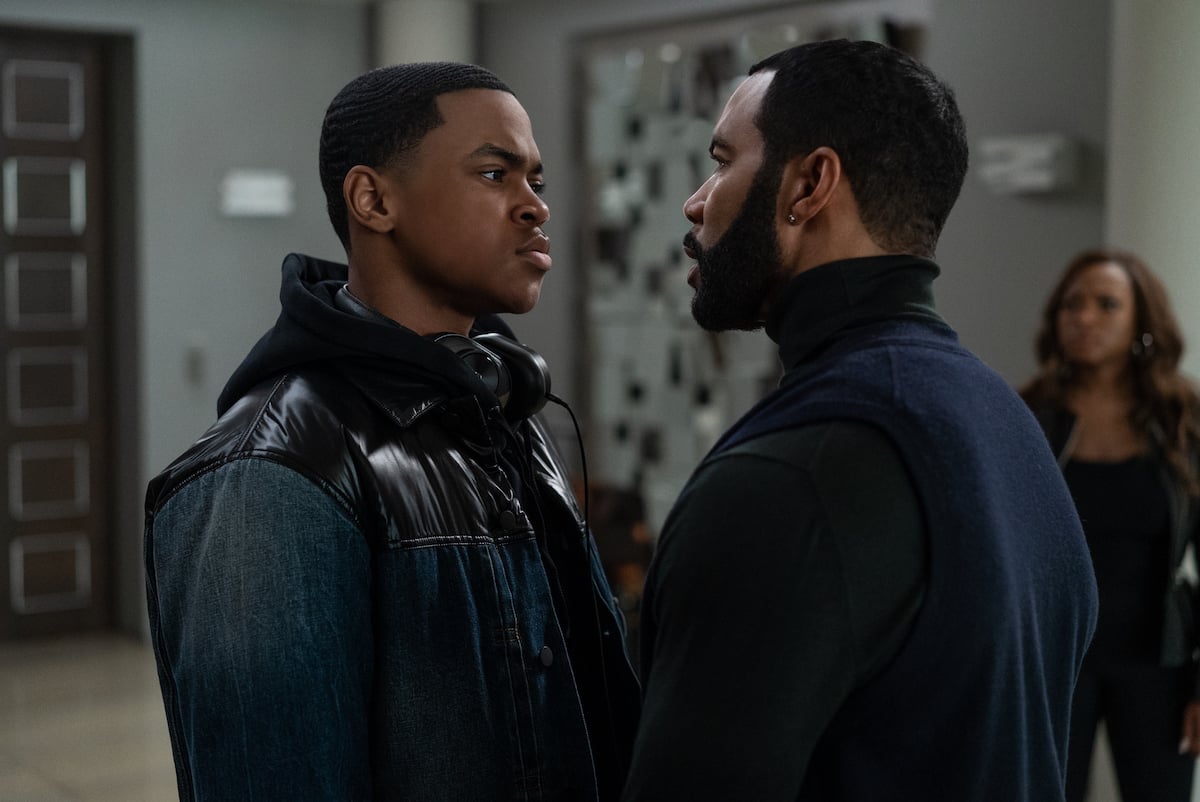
81, 720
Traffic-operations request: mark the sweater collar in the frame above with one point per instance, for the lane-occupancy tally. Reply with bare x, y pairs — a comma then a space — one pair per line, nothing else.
817, 303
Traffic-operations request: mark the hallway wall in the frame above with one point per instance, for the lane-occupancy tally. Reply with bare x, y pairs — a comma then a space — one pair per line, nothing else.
1020, 67
1152, 202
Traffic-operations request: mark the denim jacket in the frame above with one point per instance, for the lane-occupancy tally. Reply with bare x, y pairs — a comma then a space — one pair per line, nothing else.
365, 587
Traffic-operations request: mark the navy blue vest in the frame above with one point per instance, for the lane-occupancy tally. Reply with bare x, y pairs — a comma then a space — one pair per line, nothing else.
977, 703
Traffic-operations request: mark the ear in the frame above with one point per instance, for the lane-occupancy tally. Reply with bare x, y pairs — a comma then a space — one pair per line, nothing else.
809, 184
369, 199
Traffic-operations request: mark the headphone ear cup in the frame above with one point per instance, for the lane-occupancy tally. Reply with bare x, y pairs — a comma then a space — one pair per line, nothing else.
528, 374
487, 365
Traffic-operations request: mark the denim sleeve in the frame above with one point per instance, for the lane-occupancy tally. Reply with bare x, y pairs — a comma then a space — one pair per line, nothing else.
260, 596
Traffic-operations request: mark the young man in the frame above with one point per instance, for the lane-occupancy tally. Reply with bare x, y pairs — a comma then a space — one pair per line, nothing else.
875, 586
369, 580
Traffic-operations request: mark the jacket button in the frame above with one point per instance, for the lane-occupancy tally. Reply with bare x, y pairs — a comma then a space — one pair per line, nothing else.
508, 520
547, 656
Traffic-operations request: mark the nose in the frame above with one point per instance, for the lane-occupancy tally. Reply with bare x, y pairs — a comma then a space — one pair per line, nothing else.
693, 207
533, 211
1084, 313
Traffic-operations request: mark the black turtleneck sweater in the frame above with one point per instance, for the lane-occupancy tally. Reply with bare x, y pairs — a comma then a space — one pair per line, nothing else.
788, 573
892, 609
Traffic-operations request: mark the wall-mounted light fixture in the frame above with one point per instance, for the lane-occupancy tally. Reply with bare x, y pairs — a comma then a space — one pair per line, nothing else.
1029, 163
257, 193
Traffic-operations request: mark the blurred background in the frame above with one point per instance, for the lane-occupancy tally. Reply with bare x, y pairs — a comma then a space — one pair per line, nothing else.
158, 160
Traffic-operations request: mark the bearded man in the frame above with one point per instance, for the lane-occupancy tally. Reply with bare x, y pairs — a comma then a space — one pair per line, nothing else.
875, 586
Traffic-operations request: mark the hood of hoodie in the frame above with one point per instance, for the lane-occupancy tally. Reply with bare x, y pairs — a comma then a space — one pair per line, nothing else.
312, 329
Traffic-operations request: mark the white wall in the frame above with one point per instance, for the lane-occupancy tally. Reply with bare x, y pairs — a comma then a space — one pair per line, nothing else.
1019, 66
422, 30
1153, 198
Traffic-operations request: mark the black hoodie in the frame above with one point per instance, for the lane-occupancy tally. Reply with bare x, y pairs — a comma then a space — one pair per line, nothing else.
311, 328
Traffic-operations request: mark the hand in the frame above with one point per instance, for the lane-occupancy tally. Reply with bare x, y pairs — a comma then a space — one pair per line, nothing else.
1189, 743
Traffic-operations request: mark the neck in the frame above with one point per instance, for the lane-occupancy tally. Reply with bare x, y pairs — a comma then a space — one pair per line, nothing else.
1101, 380
835, 249
389, 289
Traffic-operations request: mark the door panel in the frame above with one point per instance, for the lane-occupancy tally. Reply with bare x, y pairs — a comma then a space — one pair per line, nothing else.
54, 539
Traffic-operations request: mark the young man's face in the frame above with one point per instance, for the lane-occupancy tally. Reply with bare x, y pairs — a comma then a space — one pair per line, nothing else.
468, 230
733, 237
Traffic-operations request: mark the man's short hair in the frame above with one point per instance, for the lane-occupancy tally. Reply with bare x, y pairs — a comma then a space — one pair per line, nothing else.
894, 125
380, 117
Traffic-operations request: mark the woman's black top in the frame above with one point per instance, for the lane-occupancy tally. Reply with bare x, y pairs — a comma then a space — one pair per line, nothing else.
1123, 507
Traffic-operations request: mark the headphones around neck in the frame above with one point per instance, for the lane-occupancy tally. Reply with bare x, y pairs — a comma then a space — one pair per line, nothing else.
516, 373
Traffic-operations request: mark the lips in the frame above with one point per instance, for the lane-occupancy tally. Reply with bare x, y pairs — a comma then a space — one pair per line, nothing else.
1081, 338
691, 246
537, 250
1084, 346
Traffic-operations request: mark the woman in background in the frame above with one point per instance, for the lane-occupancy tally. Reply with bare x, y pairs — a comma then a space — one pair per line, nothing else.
1124, 424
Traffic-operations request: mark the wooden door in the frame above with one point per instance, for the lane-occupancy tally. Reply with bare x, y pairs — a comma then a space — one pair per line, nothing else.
54, 450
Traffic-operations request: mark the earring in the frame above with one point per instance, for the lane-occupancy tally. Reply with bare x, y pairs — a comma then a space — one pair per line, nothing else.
1143, 345
791, 219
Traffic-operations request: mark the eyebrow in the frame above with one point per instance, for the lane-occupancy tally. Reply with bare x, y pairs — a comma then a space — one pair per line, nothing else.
718, 142
512, 159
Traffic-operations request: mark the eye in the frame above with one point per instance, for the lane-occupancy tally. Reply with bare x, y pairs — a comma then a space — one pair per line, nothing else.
1109, 304
538, 186
494, 175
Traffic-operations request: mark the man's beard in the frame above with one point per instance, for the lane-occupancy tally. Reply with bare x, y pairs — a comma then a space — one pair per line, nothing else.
742, 268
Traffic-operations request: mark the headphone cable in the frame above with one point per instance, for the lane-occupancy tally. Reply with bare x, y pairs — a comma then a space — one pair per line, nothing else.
589, 547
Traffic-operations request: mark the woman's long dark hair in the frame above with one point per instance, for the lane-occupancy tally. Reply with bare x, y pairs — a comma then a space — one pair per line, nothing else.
1164, 400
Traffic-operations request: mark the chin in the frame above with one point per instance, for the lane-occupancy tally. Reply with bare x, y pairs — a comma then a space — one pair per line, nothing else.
520, 306
1082, 356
